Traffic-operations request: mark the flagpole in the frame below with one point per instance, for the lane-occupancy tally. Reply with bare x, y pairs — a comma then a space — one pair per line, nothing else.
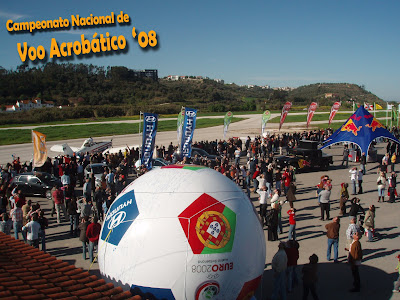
140, 124
386, 114
353, 105
374, 110
398, 116
391, 118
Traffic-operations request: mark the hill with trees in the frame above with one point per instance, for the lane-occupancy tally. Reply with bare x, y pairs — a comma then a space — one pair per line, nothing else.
92, 91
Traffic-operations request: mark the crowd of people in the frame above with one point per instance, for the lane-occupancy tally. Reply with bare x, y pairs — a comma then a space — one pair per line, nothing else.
249, 163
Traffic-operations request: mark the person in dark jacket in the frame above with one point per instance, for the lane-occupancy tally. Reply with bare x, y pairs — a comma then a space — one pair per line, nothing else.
355, 208
290, 194
310, 277
272, 223
72, 210
82, 237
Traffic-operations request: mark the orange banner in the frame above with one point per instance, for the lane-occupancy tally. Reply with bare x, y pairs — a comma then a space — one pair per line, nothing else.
39, 148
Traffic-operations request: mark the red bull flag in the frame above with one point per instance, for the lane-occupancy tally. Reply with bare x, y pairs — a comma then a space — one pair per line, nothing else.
311, 111
360, 129
334, 110
39, 148
285, 111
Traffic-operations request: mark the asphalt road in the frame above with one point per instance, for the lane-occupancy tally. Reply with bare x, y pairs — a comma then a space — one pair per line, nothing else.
251, 126
377, 269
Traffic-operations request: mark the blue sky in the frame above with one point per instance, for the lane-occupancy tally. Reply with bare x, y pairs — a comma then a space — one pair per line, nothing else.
279, 43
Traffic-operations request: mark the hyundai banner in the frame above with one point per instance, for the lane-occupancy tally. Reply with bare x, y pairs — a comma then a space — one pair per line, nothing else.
189, 124
149, 138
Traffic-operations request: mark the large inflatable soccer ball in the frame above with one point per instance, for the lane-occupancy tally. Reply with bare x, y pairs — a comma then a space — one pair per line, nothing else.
183, 232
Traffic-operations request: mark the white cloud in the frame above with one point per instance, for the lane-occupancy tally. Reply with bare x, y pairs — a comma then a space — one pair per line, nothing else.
12, 16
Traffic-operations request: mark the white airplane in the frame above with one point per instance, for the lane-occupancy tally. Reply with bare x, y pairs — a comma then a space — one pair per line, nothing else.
88, 146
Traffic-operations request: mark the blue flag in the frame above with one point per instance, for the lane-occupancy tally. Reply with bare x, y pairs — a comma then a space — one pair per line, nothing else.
149, 139
189, 124
360, 129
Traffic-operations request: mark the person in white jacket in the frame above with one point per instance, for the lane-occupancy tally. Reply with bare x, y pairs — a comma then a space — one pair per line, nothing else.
353, 177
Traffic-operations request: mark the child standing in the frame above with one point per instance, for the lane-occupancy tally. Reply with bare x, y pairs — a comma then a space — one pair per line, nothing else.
292, 223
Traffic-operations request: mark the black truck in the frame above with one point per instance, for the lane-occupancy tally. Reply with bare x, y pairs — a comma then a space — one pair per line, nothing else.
305, 157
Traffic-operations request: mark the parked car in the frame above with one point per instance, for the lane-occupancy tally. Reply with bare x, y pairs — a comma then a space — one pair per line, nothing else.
306, 157
203, 153
35, 183
97, 169
157, 163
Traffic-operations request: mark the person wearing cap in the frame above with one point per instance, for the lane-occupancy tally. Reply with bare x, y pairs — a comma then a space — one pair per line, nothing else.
279, 266
310, 277
333, 238
354, 259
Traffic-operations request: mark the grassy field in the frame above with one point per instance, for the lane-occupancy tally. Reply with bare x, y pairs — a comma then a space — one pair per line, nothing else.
21, 136
90, 120
318, 117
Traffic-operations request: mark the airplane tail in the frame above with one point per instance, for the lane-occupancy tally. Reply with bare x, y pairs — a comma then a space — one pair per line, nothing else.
67, 150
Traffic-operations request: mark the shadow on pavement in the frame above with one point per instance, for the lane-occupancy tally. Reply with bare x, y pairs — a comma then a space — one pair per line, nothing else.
375, 283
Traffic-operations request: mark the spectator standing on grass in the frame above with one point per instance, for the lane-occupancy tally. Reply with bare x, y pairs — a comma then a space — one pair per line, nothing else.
93, 234
82, 237
310, 277
332, 233
32, 230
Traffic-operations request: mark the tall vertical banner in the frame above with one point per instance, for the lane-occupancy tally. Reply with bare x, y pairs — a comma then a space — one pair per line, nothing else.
179, 123
39, 148
265, 117
189, 124
334, 110
150, 122
311, 111
285, 111
227, 120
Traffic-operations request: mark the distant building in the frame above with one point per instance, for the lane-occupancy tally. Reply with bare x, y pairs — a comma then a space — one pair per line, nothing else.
24, 105
147, 73
219, 81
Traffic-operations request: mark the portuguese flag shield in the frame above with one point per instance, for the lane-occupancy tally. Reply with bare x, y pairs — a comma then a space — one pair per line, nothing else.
209, 226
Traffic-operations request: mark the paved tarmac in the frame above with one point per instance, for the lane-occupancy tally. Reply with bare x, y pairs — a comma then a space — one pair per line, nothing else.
377, 269
251, 125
